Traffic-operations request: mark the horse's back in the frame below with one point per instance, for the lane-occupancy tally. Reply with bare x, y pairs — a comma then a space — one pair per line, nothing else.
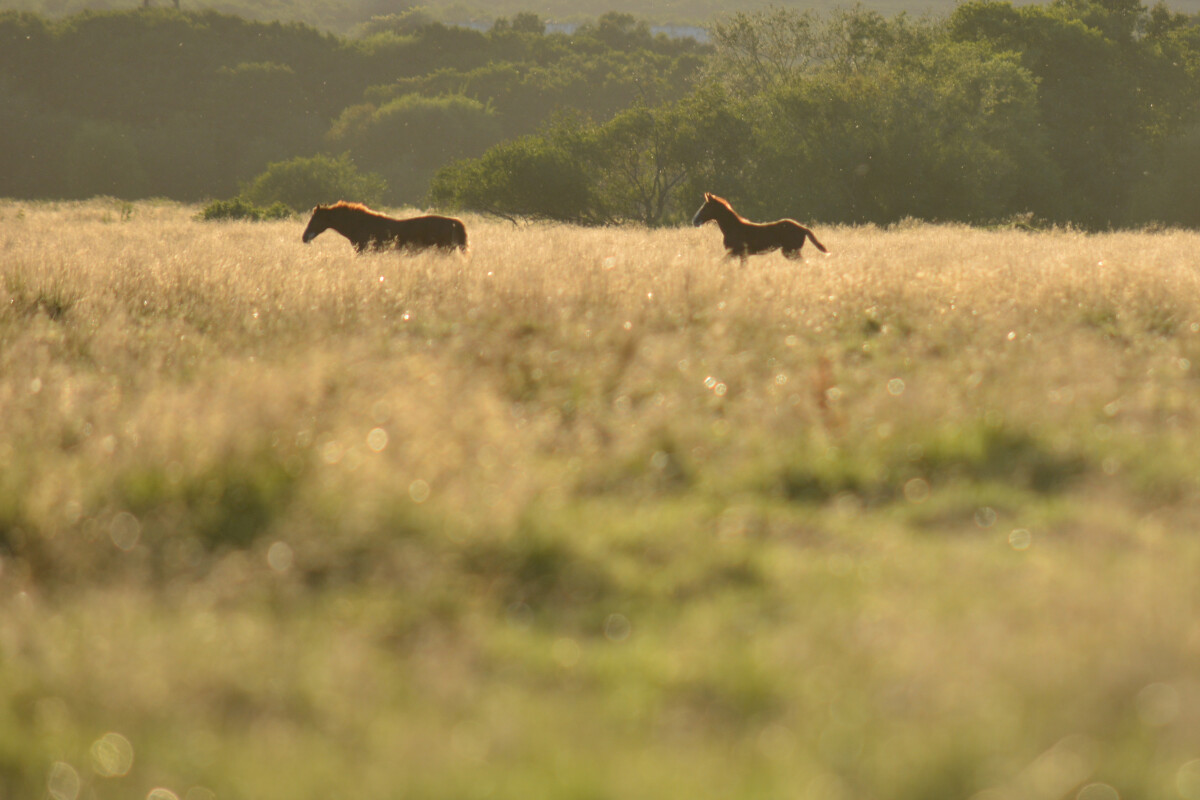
449, 231
431, 230
457, 231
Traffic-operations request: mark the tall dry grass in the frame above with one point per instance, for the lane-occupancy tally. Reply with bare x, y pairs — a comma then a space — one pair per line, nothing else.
594, 513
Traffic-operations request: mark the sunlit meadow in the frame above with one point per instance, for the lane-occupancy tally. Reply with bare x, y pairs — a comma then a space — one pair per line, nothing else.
595, 514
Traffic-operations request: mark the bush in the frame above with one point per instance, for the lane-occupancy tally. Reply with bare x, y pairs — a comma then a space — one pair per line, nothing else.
533, 176
240, 208
302, 183
645, 165
406, 139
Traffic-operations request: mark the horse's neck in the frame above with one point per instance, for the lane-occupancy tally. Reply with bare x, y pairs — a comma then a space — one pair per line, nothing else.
345, 222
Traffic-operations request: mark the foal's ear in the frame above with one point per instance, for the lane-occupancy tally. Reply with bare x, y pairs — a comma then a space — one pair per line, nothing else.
708, 195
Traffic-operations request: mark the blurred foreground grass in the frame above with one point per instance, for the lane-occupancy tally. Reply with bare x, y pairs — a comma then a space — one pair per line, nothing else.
595, 514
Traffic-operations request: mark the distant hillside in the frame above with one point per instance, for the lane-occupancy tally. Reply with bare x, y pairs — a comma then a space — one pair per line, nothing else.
343, 17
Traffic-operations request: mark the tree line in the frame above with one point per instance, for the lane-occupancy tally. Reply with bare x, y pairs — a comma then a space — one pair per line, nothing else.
1076, 111
159, 102
1083, 112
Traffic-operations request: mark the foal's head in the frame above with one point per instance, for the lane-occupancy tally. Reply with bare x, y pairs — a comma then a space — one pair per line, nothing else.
714, 208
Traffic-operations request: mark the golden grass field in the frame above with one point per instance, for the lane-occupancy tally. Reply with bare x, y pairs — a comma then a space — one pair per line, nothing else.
595, 513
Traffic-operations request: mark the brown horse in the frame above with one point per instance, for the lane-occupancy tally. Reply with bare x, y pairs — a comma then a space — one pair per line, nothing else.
367, 229
745, 238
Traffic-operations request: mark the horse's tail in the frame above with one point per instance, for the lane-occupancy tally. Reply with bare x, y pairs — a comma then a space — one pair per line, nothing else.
458, 235
820, 246
458, 238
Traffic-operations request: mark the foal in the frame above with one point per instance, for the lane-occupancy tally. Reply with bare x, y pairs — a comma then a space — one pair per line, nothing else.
744, 238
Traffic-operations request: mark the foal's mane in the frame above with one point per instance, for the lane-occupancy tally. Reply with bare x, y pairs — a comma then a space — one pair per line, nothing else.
725, 203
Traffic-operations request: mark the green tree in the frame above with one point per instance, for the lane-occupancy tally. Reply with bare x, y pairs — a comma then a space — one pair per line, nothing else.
405, 140
102, 159
524, 22
761, 50
1107, 95
302, 183
645, 165
539, 176
948, 134
650, 164
1169, 191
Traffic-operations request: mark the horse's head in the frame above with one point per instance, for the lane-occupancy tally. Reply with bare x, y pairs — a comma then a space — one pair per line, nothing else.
317, 223
712, 208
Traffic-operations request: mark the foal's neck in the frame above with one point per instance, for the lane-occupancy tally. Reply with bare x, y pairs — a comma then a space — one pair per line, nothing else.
727, 219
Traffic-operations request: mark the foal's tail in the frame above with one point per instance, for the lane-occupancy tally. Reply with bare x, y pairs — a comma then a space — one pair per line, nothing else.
809, 234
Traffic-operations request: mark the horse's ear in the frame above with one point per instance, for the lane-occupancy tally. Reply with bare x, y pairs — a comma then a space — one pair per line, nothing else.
708, 195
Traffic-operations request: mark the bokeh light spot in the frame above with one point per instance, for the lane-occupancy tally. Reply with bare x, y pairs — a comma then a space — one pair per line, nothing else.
332, 452
125, 530
1187, 780
1157, 704
566, 652
1020, 539
377, 439
63, 782
617, 628
418, 490
916, 490
1098, 791
280, 556
112, 755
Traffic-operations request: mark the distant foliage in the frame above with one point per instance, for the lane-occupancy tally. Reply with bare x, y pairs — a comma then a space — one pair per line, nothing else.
241, 209
538, 177
101, 158
301, 183
523, 22
409, 137
1079, 111
188, 105
645, 165
409, 22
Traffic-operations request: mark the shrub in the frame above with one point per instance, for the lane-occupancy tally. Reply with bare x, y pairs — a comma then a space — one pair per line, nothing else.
240, 208
529, 177
407, 138
302, 183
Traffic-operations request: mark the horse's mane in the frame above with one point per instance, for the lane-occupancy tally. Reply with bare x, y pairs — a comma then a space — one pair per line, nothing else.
358, 208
